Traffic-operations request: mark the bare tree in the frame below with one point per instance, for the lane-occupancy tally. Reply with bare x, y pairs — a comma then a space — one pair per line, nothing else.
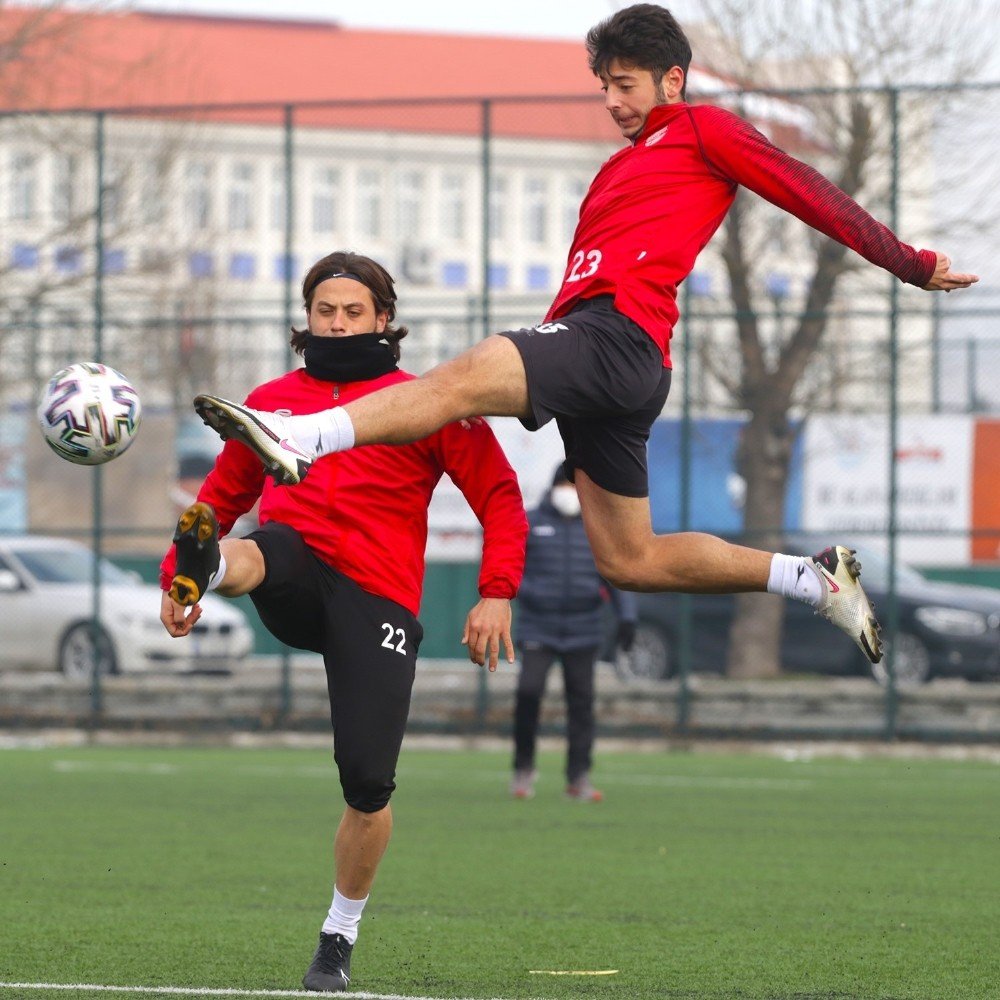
848, 44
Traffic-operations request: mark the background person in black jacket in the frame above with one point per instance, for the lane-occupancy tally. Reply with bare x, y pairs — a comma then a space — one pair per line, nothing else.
559, 617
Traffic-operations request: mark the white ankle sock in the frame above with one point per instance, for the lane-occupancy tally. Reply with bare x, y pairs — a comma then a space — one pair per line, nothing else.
344, 916
795, 576
217, 577
323, 433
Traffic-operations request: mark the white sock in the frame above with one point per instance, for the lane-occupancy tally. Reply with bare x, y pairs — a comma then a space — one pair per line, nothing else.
323, 433
217, 577
344, 916
795, 576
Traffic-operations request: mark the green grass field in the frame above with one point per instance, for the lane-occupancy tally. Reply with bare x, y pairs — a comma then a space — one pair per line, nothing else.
702, 875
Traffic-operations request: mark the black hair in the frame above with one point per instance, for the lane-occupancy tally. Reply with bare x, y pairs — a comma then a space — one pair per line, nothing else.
645, 36
371, 274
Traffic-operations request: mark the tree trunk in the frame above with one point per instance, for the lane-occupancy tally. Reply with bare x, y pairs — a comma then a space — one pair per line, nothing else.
763, 461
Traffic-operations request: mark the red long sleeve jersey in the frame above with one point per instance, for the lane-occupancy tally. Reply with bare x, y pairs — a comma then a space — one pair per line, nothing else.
654, 206
364, 511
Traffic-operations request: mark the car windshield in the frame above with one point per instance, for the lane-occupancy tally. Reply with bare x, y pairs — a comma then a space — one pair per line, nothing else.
69, 565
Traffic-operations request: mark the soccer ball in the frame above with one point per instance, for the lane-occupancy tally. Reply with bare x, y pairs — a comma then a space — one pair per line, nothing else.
89, 413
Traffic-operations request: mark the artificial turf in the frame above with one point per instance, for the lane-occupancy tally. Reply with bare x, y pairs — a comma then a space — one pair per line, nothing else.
702, 875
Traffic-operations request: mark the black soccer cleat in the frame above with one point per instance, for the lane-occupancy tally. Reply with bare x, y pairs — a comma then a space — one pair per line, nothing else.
330, 970
197, 541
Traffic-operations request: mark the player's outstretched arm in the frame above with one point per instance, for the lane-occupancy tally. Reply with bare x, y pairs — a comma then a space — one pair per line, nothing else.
486, 626
946, 280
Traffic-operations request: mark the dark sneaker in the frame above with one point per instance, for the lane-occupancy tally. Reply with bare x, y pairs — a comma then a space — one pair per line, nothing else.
845, 602
197, 541
265, 434
330, 971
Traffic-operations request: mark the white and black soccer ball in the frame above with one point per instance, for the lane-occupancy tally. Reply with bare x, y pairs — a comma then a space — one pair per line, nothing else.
89, 413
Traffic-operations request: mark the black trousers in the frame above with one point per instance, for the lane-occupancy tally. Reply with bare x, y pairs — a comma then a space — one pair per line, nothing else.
369, 646
578, 681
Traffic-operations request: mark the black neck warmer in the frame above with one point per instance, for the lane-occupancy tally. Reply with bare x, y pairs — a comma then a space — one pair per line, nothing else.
356, 358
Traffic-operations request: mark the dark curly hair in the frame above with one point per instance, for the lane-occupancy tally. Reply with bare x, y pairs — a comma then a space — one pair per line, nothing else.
645, 36
371, 274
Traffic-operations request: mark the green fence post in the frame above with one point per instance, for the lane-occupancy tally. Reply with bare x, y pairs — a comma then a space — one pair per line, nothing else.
97, 483
892, 620
684, 636
286, 656
487, 116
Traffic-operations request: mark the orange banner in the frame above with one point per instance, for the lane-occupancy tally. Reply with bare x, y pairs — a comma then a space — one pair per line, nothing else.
986, 491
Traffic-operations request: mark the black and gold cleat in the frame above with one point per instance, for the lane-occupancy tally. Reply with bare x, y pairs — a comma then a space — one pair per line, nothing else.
197, 541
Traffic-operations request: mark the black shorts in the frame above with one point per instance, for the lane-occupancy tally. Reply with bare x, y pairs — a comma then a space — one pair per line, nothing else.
602, 378
369, 646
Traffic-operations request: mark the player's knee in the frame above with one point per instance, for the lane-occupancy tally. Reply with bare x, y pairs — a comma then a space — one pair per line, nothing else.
368, 792
620, 571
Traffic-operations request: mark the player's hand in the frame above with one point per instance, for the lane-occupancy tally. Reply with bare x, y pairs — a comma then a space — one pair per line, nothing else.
946, 280
177, 619
485, 626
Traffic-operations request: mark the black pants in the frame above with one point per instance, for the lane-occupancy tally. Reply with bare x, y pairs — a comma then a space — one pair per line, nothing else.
369, 647
578, 681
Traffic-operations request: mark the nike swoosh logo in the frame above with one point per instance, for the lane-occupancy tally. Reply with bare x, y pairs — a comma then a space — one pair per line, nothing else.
288, 446
831, 582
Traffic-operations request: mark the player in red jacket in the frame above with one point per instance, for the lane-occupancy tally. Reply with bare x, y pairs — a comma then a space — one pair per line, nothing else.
337, 566
600, 362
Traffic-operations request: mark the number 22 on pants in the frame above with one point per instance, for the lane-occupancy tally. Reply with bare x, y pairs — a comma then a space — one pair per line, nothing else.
395, 638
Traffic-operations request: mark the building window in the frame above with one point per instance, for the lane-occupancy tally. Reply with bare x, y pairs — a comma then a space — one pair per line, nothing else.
113, 261
499, 276
241, 197
65, 170
699, 283
409, 204
198, 199
455, 274
242, 266
68, 260
24, 185
24, 256
538, 277
113, 196
279, 208
155, 177
369, 195
285, 267
536, 210
453, 209
497, 221
325, 199
573, 191
201, 264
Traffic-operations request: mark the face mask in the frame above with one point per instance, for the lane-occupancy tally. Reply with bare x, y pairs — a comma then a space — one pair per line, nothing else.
348, 359
566, 501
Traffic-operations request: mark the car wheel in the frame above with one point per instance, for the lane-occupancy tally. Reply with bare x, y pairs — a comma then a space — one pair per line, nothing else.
77, 652
649, 657
911, 662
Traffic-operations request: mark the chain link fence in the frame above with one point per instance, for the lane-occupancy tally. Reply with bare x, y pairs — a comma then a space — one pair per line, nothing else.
171, 244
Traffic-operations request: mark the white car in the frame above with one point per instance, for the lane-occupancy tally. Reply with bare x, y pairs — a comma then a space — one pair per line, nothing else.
46, 609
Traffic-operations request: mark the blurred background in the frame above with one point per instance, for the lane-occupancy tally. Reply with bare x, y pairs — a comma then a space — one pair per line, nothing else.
167, 176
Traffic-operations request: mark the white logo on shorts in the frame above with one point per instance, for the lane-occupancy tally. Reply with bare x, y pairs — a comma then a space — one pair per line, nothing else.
549, 327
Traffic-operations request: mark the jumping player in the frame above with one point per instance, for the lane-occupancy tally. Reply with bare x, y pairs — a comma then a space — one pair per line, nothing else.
600, 362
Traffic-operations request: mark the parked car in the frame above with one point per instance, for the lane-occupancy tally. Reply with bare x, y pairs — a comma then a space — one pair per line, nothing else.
944, 630
46, 606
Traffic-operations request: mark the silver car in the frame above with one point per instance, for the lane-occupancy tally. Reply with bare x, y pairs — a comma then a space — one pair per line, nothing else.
46, 607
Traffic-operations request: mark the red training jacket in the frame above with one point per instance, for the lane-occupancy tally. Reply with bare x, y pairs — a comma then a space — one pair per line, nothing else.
364, 511
654, 206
